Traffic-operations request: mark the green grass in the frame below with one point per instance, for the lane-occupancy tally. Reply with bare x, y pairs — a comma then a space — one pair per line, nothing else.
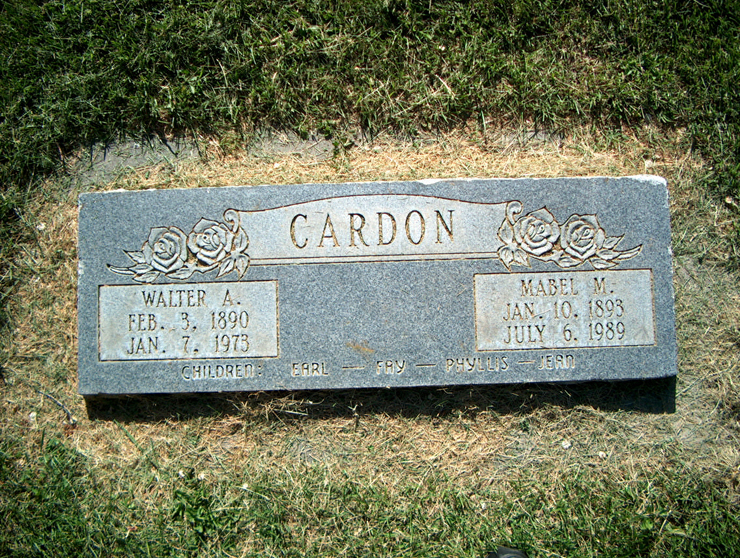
76, 72
52, 504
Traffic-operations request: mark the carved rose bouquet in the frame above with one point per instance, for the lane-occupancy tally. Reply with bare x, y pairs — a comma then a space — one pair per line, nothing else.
170, 252
580, 239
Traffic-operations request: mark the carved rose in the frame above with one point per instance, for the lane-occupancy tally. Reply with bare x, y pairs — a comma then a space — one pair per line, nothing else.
537, 233
582, 236
177, 255
166, 249
210, 241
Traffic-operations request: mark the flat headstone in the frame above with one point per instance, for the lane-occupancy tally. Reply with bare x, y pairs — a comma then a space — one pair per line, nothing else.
390, 284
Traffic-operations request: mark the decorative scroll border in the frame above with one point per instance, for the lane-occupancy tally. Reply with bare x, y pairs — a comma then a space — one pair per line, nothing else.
169, 252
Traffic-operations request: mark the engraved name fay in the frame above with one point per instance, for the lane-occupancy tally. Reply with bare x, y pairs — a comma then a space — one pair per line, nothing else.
373, 228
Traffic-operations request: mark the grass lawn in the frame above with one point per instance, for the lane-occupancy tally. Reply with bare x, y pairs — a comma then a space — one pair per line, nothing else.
393, 90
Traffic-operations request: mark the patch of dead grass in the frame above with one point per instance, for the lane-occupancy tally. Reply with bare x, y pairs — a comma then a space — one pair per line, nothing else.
250, 434
466, 153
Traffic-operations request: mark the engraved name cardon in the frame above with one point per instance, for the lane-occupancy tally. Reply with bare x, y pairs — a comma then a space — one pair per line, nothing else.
383, 231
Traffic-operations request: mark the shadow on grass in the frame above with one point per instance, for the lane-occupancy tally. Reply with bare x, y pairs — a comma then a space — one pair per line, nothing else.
645, 396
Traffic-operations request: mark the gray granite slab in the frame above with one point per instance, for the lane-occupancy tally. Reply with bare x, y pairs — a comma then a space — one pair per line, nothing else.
389, 284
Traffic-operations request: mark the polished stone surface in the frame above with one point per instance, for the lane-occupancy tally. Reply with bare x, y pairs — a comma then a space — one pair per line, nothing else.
389, 284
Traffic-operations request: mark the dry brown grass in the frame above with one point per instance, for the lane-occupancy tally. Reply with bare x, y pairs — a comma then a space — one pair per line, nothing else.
466, 153
380, 438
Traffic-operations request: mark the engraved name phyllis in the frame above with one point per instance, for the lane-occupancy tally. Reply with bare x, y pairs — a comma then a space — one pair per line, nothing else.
373, 228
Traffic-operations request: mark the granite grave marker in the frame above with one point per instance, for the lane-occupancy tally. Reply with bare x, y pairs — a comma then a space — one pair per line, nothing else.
390, 284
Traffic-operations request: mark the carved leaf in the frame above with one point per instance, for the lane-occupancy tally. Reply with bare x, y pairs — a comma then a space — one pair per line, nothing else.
521, 258
607, 254
567, 261
226, 267
552, 256
612, 241
507, 256
242, 263
506, 233
241, 241
148, 277
140, 268
183, 273
626, 255
138, 257
121, 270
598, 263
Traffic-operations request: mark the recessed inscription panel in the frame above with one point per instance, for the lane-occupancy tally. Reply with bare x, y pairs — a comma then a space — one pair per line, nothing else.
196, 321
577, 309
